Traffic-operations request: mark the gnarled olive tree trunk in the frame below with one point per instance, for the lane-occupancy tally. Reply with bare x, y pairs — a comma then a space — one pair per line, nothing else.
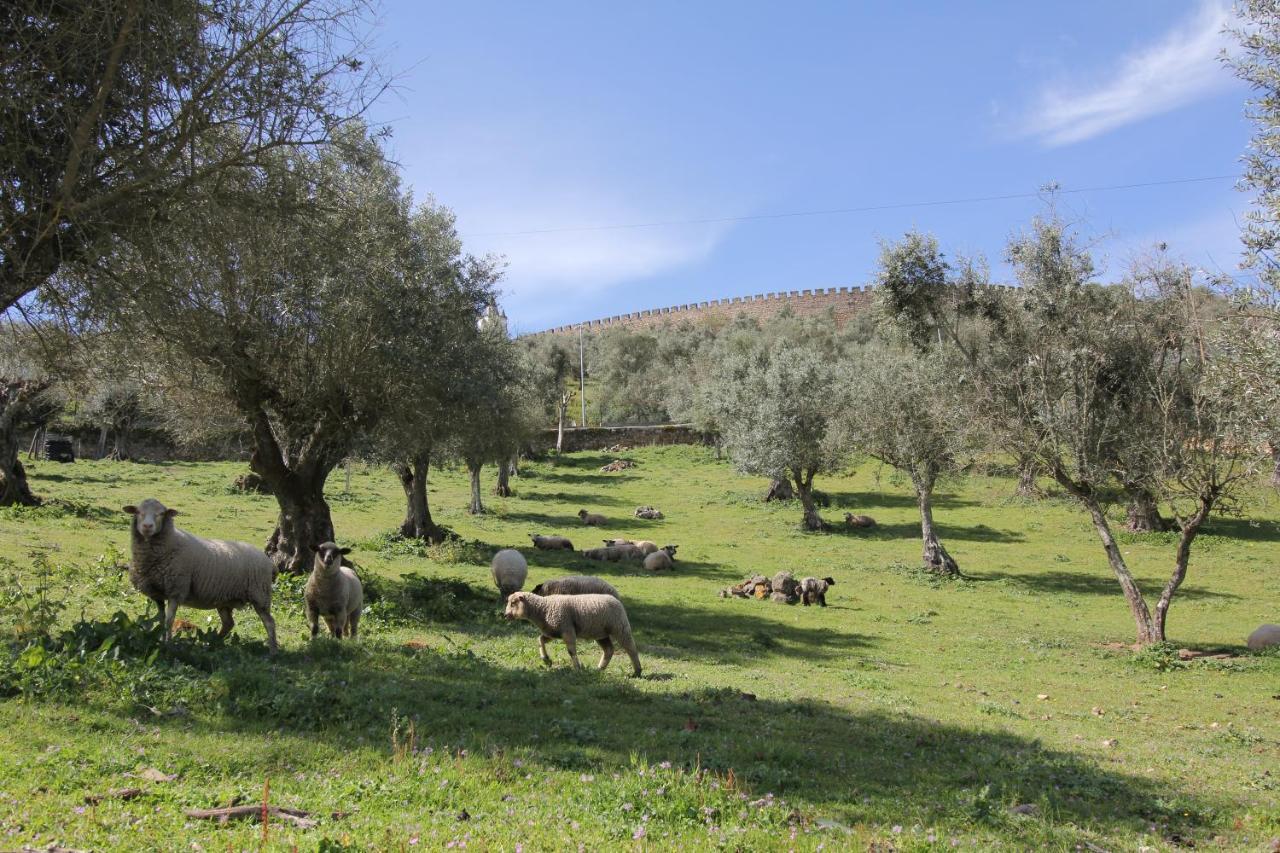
1143, 513
804, 491
418, 523
16, 400
503, 489
476, 507
1028, 468
935, 556
298, 485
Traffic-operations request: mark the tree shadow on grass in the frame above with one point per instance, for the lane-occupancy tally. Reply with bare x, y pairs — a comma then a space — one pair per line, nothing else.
840, 763
584, 499
911, 530
1084, 583
1243, 529
861, 502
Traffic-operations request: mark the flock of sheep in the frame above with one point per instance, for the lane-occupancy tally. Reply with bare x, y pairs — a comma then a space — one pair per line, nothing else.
175, 568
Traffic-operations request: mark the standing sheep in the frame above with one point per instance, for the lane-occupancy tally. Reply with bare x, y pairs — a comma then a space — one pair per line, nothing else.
591, 519
815, 590
569, 617
576, 585
551, 543
334, 592
509, 569
175, 568
663, 559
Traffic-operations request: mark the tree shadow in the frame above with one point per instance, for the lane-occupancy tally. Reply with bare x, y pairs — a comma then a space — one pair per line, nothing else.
843, 764
911, 530
859, 501
584, 499
1242, 528
1084, 583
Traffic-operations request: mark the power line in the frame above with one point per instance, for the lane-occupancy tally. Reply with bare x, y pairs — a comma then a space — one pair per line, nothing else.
836, 211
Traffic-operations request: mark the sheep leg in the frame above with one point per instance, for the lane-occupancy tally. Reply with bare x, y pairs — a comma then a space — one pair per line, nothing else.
159, 609
228, 621
822, 599
313, 619
353, 625
269, 623
170, 611
542, 649
339, 624
628, 643
571, 643
606, 647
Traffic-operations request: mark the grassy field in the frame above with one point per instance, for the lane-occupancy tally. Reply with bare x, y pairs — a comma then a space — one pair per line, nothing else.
911, 714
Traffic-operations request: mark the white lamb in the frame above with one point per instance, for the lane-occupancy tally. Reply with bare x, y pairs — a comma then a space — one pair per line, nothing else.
175, 568
509, 569
334, 592
572, 617
576, 585
661, 560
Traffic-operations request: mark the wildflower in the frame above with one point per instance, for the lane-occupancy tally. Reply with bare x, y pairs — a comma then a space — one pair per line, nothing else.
897, 828
626, 807
666, 765
638, 834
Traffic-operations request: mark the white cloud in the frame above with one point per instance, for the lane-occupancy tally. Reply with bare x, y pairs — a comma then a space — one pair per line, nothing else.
1180, 68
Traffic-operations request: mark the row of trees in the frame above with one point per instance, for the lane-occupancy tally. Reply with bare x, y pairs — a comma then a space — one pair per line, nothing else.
195, 223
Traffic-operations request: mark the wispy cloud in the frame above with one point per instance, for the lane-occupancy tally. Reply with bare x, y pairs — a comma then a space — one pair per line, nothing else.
1179, 68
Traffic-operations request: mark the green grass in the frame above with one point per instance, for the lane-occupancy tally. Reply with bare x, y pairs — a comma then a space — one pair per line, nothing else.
905, 714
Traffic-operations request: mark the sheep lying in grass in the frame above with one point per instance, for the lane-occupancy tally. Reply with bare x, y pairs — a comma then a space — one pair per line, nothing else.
509, 569
612, 553
576, 585
334, 592
572, 617
175, 568
644, 546
815, 590
551, 543
859, 522
591, 519
649, 513
661, 560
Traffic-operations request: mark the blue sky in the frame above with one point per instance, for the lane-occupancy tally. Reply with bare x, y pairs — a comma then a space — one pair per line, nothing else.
554, 115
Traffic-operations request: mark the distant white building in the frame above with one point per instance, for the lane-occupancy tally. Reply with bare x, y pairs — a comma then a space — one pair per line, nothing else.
492, 316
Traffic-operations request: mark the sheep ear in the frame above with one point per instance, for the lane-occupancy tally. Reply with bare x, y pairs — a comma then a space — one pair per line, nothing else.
170, 513
129, 510
344, 550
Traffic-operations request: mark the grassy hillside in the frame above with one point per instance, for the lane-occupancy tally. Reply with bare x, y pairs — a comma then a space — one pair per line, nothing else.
912, 713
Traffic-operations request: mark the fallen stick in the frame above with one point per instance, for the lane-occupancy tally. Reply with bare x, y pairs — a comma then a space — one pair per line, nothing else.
113, 794
297, 817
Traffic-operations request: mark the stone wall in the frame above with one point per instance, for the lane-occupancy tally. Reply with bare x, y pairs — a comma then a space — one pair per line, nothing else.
843, 302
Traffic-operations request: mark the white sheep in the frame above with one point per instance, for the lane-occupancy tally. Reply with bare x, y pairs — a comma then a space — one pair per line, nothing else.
175, 568
509, 569
643, 545
591, 519
815, 590
572, 617
660, 560
611, 553
576, 585
551, 543
334, 592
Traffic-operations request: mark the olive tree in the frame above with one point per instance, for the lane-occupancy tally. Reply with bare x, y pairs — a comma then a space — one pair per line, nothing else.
301, 297
1106, 387
551, 366
487, 424
903, 409
775, 406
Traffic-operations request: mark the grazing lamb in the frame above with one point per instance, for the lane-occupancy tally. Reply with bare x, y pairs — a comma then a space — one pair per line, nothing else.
175, 568
591, 519
661, 560
509, 569
859, 521
551, 543
576, 585
815, 590
572, 617
649, 513
334, 592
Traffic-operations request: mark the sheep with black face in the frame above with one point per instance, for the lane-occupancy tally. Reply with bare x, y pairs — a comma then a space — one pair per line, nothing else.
334, 592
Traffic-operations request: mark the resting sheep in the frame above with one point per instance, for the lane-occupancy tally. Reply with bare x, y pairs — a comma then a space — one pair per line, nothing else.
175, 568
591, 519
859, 521
663, 559
334, 592
644, 545
509, 569
613, 553
815, 590
572, 617
576, 585
551, 543
649, 512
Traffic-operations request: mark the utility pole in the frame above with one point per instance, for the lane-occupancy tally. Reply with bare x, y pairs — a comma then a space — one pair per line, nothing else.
582, 380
